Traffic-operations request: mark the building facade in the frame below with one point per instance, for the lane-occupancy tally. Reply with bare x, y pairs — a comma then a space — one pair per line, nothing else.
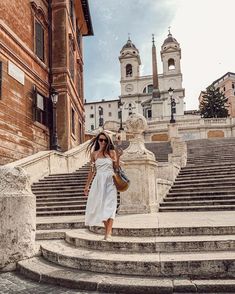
40, 53
99, 112
226, 83
137, 92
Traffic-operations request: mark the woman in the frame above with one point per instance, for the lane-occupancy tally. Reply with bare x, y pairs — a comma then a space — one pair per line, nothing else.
102, 198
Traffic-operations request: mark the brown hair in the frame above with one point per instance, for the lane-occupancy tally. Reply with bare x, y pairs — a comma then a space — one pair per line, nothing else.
94, 144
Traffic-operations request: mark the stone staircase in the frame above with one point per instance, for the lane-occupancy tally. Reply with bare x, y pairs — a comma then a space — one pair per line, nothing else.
208, 180
62, 194
160, 149
140, 259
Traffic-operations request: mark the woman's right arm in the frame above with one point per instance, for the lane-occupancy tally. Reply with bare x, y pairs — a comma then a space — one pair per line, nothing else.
90, 174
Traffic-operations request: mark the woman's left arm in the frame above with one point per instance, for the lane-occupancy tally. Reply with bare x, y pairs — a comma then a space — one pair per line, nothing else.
115, 155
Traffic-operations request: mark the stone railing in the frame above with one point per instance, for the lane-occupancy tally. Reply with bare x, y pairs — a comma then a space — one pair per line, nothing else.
45, 163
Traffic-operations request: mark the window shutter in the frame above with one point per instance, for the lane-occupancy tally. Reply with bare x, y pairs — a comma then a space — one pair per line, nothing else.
39, 40
34, 105
48, 112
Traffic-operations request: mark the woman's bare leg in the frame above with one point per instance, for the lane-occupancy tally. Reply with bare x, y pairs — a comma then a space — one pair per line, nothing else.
109, 226
105, 228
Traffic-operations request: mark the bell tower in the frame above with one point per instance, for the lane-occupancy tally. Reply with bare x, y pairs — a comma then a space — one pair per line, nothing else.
171, 55
130, 64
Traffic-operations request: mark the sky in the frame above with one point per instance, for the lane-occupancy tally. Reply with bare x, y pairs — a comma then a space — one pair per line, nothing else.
204, 29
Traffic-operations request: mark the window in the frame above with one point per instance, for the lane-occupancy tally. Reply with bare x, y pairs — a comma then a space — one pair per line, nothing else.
73, 121
78, 34
224, 89
91, 107
80, 133
110, 113
91, 115
148, 89
71, 59
129, 70
149, 113
92, 127
39, 40
171, 64
71, 10
119, 114
233, 85
109, 105
41, 108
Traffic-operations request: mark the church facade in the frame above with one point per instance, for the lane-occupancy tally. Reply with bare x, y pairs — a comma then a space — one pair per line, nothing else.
147, 95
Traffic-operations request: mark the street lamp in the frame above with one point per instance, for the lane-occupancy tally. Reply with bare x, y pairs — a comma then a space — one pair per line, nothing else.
120, 104
101, 120
173, 104
54, 99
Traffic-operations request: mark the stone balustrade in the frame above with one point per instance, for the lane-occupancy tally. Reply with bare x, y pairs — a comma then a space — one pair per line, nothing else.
45, 163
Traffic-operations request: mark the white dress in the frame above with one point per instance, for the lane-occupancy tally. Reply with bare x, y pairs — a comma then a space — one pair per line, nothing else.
102, 198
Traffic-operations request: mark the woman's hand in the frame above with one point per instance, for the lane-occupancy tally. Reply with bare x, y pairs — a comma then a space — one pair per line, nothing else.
119, 152
86, 190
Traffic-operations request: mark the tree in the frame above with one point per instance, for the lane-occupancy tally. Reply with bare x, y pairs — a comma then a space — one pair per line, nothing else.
214, 103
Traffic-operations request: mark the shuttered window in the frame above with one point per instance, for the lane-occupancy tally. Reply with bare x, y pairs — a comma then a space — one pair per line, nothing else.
41, 109
39, 40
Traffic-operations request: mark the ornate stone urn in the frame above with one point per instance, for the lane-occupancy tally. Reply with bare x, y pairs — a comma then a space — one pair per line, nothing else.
140, 166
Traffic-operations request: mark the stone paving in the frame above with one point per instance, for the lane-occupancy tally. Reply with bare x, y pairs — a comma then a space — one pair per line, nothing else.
13, 283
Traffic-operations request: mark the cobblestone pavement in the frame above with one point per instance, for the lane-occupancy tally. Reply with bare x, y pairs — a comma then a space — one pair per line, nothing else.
13, 283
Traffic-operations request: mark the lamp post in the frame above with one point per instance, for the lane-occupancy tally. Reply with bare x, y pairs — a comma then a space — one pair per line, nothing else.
101, 120
173, 104
120, 104
54, 98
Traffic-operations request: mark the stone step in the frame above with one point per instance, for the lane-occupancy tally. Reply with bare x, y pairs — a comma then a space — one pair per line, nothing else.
56, 190
206, 171
67, 174
57, 181
84, 238
198, 203
199, 198
167, 231
212, 179
205, 166
58, 185
206, 175
200, 193
216, 264
211, 184
42, 271
58, 194
60, 213
197, 208
61, 203
202, 189
64, 225
61, 208
54, 234
60, 199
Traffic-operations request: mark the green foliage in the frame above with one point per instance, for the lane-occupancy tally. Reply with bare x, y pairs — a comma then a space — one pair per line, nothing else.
214, 103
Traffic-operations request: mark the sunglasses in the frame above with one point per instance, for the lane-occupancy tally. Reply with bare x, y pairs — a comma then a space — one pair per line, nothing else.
103, 140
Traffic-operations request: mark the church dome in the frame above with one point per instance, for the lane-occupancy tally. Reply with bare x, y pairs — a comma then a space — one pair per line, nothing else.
170, 39
129, 45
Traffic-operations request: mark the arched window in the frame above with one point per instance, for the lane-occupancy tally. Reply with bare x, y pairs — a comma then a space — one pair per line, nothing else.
148, 89
128, 70
171, 64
